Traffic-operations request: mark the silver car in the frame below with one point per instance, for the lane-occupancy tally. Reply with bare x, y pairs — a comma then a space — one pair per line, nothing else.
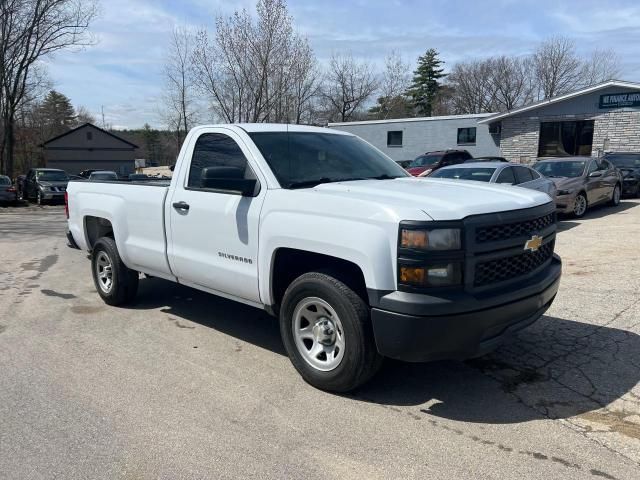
498, 172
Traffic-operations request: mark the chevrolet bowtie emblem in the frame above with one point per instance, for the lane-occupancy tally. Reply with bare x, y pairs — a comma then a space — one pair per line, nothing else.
533, 244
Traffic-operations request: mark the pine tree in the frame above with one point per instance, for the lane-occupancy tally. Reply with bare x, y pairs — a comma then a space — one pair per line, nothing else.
57, 113
425, 85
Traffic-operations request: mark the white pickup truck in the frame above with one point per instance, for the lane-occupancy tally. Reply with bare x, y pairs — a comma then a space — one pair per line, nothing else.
359, 260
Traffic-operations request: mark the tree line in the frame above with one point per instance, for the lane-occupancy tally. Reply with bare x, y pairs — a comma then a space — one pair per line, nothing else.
258, 68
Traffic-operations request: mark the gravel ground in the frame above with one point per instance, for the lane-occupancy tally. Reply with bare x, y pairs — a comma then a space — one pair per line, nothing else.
187, 385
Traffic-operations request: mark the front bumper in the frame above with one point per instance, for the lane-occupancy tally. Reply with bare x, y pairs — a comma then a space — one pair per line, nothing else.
565, 203
421, 328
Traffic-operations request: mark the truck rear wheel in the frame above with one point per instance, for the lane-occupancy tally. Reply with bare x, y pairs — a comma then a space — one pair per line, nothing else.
115, 283
327, 333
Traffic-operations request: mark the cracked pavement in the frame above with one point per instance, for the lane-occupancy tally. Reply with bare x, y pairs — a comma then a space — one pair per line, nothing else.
186, 385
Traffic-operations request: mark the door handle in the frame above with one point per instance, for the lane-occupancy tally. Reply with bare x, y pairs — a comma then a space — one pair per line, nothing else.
183, 206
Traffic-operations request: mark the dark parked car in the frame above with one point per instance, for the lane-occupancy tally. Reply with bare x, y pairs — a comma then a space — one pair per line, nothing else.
8, 193
430, 162
582, 182
629, 166
45, 184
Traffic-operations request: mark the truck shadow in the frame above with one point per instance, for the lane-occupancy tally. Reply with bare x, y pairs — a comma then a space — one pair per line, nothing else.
231, 318
560, 368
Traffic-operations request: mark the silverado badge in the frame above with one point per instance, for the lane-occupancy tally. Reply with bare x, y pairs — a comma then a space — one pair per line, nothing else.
533, 244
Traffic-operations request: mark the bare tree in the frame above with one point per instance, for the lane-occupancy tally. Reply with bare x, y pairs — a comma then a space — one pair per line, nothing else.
475, 91
601, 66
348, 85
179, 105
394, 81
556, 67
513, 81
29, 31
256, 70
83, 115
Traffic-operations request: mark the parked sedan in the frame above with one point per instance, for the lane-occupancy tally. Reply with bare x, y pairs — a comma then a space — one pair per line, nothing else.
499, 172
629, 166
582, 182
42, 184
8, 193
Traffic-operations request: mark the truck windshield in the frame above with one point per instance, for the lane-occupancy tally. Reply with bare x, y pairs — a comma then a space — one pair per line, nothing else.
305, 159
561, 168
479, 174
52, 176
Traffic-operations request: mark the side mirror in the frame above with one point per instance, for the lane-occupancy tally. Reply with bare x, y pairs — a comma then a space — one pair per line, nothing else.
172, 167
229, 179
595, 174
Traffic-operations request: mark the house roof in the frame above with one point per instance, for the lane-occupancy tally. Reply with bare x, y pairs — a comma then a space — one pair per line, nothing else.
413, 119
89, 125
562, 98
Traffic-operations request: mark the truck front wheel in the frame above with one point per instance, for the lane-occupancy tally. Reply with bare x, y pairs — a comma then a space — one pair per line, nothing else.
115, 283
327, 333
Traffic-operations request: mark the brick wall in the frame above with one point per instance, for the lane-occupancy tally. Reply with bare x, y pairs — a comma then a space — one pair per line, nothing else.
622, 129
519, 138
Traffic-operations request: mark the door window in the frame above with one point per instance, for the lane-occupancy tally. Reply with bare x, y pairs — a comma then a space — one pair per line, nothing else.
506, 176
523, 175
216, 150
592, 167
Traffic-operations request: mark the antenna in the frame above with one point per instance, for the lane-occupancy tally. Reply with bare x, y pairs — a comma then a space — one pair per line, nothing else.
102, 110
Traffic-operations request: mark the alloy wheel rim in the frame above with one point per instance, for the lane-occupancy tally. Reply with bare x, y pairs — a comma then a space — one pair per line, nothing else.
580, 205
318, 334
104, 272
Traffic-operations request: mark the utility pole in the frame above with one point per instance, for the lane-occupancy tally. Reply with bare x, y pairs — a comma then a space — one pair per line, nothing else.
102, 110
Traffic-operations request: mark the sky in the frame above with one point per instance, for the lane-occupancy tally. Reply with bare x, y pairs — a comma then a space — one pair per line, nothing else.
122, 72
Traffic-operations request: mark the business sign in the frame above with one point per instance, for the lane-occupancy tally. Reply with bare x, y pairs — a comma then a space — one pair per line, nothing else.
619, 100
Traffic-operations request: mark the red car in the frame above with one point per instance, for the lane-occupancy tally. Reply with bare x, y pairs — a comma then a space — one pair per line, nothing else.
432, 161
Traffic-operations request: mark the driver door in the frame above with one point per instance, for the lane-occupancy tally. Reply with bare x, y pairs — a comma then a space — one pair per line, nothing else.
214, 232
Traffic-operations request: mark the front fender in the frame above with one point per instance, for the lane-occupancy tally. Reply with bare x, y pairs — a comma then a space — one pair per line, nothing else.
370, 246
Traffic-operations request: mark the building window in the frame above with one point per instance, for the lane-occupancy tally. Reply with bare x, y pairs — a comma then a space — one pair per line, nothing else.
562, 139
394, 139
467, 136
89, 135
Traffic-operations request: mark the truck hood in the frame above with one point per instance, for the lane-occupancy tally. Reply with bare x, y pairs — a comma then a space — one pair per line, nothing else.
439, 198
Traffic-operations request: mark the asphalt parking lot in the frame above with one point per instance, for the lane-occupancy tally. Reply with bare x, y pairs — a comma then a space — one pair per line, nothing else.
187, 385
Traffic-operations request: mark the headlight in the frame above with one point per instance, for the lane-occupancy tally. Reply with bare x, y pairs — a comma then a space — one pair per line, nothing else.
437, 239
565, 192
444, 275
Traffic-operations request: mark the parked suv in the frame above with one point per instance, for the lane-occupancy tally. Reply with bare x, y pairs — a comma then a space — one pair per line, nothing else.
42, 184
629, 166
431, 161
582, 182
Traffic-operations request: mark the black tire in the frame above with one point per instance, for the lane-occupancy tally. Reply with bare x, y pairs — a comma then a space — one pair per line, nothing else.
616, 195
124, 281
360, 359
581, 213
